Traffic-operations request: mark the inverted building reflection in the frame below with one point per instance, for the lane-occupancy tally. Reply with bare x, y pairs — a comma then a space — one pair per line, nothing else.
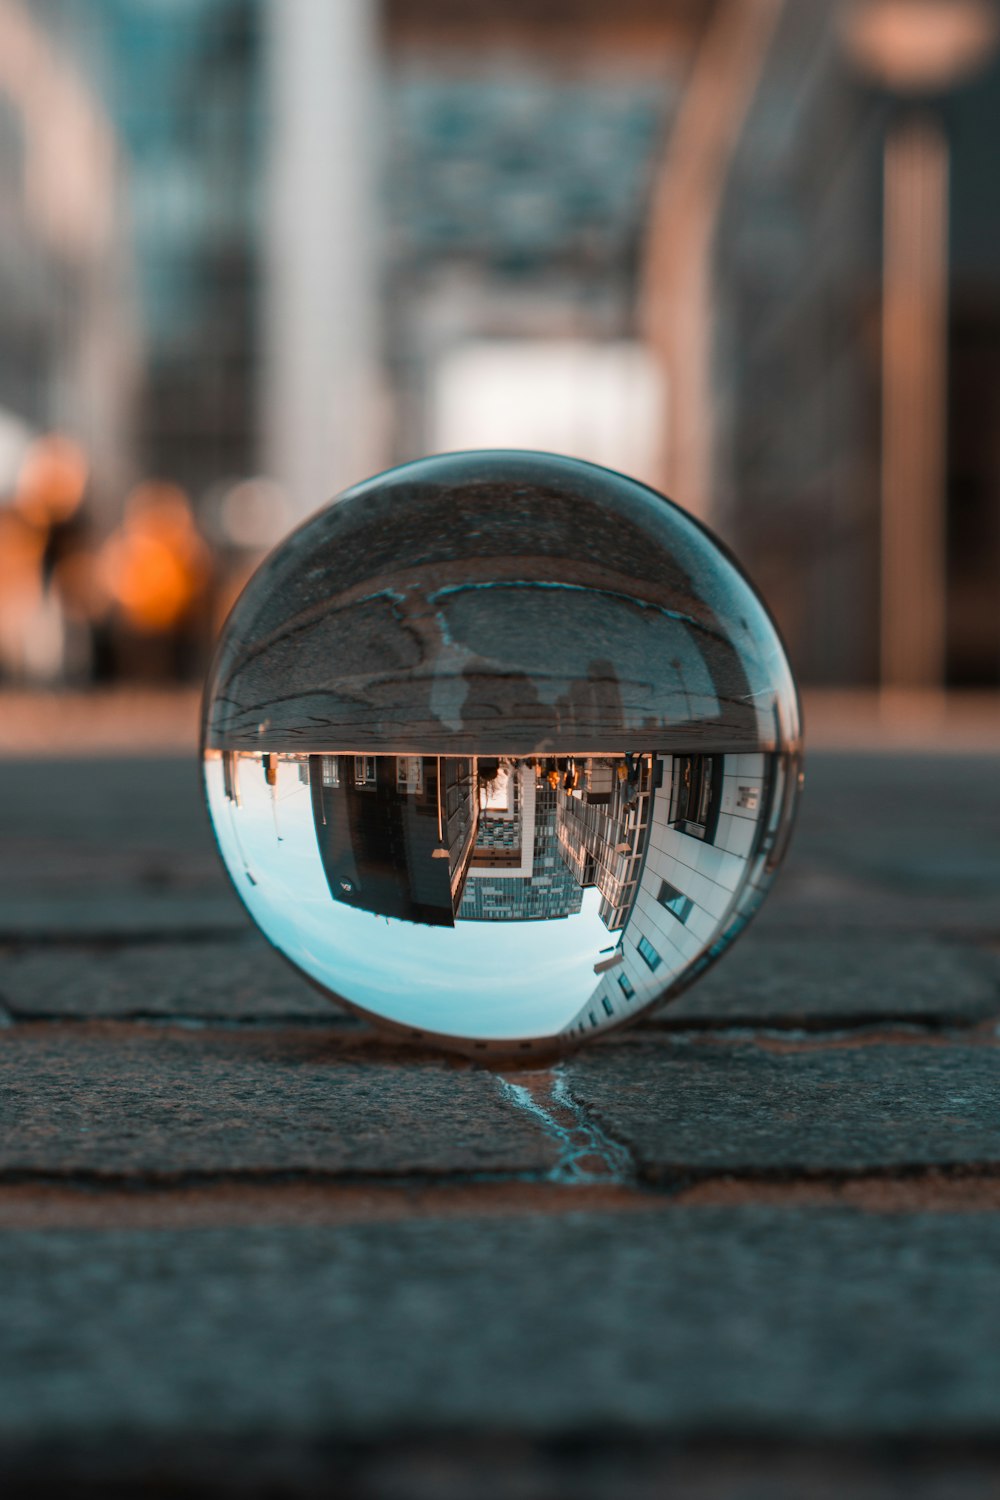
395, 832
677, 848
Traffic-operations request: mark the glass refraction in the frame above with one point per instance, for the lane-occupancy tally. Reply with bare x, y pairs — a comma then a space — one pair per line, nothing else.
501, 749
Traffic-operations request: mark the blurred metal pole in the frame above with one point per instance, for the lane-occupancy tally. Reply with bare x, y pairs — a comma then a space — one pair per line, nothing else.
322, 420
914, 405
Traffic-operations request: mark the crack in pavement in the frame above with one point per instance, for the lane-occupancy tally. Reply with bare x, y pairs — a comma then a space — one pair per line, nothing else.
587, 1154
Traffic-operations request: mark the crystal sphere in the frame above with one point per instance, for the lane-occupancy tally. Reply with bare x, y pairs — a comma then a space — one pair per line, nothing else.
501, 749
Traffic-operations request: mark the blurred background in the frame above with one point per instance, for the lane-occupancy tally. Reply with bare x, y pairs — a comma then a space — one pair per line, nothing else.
252, 251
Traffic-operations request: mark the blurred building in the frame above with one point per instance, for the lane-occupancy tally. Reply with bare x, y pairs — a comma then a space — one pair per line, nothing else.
182, 84
856, 342
70, 338
743, 249
129, 153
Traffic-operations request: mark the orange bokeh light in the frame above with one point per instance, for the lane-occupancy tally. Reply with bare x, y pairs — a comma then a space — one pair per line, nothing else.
918, 45
156, 565
52, 480
21, 547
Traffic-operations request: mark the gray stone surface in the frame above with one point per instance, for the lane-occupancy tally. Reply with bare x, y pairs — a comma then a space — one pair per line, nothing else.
726, 1353
928, 825
894, 842
777, 978
693, 1108
813, 895
240, 980
115, 1101
776, 1323
110, 848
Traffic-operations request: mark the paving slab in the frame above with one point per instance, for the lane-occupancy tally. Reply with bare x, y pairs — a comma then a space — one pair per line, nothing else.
848, 977
582, 1351
116, 1101
50, 892
110, 847
811, 897
754, 1321
117, 802
910, 842
240, 980
689, 1109
925, 825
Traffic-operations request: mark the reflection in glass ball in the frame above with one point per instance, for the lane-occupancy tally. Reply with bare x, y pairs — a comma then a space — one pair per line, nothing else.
501, 749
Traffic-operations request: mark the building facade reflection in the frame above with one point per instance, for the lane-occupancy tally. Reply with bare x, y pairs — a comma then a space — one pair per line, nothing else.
668, 841
519, 822
676, 849
711, 839
396, 832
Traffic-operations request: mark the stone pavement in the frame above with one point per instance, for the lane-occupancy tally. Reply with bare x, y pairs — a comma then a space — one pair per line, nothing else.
749, 1248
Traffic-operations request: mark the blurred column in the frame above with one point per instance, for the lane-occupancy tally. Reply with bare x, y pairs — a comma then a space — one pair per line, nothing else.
914, 405
677, 303
918, 50
322, 419
67, 246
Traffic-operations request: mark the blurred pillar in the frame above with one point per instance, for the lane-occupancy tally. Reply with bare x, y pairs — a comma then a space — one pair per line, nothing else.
68, 249
322, 427
918, 49
914, 405
677, 293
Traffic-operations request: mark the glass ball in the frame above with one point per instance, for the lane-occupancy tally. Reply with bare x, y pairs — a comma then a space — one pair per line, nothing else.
501, 749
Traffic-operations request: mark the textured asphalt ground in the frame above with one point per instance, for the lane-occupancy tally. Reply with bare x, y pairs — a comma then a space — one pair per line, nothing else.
749, 1248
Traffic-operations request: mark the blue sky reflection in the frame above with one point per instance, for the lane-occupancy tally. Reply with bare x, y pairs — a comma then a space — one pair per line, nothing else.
497, 980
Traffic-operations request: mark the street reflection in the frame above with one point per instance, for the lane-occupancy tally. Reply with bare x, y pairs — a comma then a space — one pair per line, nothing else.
527, 897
